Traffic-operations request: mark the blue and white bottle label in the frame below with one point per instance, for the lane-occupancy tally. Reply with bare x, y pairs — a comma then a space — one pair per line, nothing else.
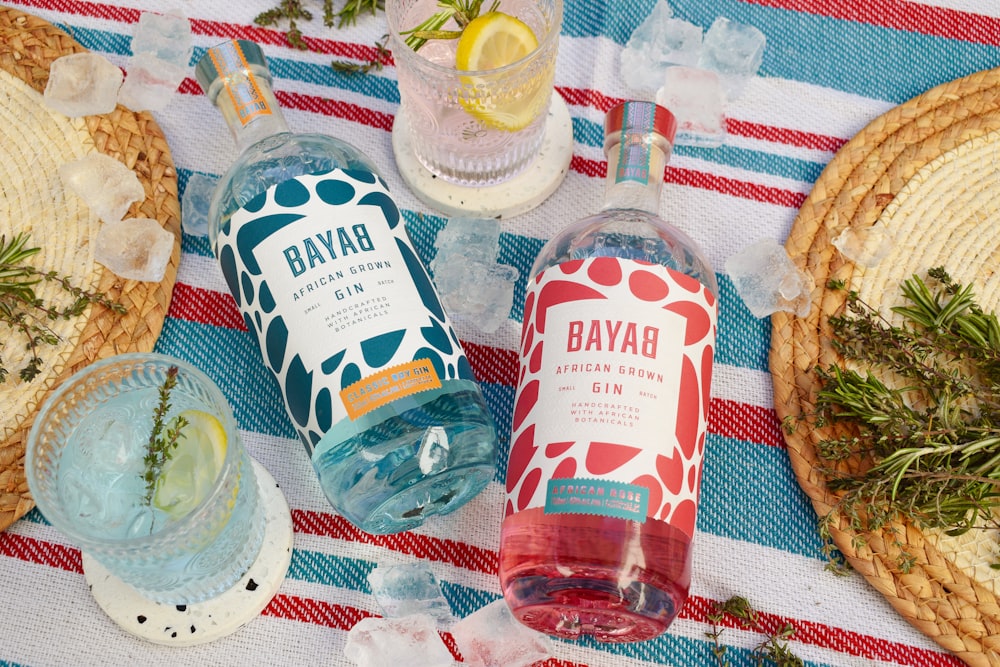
347, 318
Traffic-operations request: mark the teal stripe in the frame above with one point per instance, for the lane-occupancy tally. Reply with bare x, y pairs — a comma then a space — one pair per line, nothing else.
759, 475
590, 133
814, 49
232, 359
743, 340
321, 568
804, 47
749, 493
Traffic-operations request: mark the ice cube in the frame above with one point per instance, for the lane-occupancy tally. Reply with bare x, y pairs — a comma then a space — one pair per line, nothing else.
106, 185
406, 589
106, 441
457, 280
81, 84
492, 637
150, 84
735, 51
480, 292
658, 42
768, 281
194, 206
135, 248
476, 239
865, 246
166, 37
491, 300
696, 98
412, 641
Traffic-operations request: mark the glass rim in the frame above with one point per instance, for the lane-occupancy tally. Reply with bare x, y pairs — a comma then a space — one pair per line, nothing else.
396, 39
59, 519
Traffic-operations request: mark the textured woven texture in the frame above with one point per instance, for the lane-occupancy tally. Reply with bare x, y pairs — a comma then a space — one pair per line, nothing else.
924, 177
35, 140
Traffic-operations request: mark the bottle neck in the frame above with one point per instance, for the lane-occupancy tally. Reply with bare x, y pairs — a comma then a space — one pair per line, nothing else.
636, 163
249, 108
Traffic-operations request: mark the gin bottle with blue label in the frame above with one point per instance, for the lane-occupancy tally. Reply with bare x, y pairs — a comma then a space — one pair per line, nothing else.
317, 256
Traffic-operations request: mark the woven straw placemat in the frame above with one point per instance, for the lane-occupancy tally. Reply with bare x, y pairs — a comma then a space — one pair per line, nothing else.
923, 176
34, 142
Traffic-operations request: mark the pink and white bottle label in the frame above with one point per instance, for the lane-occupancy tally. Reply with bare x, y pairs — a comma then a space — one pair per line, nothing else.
613, 394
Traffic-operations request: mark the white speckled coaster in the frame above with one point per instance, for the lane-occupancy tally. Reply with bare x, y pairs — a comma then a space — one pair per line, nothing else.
514, 197
188, 625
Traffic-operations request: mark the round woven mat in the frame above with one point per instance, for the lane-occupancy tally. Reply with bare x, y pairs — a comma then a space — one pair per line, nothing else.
923, 176
33, 143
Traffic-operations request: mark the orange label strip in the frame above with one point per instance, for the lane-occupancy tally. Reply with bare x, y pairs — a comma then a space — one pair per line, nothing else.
383, 387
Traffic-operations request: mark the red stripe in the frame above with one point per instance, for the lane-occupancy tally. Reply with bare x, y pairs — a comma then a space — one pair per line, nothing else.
704, 181
492, 365
205, 306
740, 128
344, 617
380, 120
40, 552
455, 553
316, 612
829, 637
901, 15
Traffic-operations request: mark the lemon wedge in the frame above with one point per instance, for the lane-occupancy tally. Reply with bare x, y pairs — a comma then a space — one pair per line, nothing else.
188, 476
491, 41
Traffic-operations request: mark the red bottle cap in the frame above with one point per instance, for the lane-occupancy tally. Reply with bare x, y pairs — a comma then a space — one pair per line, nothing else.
641, 116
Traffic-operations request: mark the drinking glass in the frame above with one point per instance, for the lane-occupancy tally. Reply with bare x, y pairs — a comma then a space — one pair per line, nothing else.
474, 128
85, 465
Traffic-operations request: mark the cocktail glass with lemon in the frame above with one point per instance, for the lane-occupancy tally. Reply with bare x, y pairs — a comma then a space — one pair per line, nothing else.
475, 105
180, 536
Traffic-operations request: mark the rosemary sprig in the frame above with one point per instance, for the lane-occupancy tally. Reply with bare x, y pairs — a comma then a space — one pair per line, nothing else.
925, 444
293, 11
772, 650
374, 65
25, 313
349, 13
164, 437
462, 11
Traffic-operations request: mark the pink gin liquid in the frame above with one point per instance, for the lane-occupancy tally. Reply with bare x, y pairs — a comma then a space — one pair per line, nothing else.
570, 575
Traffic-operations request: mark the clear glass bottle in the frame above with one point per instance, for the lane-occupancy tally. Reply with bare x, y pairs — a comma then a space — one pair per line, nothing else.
316, 254
611, 408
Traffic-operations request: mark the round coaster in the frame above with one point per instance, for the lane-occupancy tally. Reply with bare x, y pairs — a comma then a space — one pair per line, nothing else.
202, 622
923, 177
518, 195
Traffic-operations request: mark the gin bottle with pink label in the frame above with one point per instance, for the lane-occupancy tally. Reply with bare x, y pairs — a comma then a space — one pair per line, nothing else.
611, 408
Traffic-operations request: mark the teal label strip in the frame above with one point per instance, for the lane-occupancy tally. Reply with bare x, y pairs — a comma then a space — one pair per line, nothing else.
597, 497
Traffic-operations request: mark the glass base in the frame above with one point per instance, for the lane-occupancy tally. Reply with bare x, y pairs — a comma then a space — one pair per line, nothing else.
518, 195
202, 622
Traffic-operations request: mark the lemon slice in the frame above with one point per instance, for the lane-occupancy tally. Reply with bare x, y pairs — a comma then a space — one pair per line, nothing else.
491, 41
188, 476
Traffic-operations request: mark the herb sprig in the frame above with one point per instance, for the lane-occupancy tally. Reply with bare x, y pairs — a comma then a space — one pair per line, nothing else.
922, 435
25, 313
462, 11
164, 437
772, 650
294, 11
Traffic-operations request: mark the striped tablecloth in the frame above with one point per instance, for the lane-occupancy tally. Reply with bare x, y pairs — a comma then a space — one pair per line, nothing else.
830, 67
